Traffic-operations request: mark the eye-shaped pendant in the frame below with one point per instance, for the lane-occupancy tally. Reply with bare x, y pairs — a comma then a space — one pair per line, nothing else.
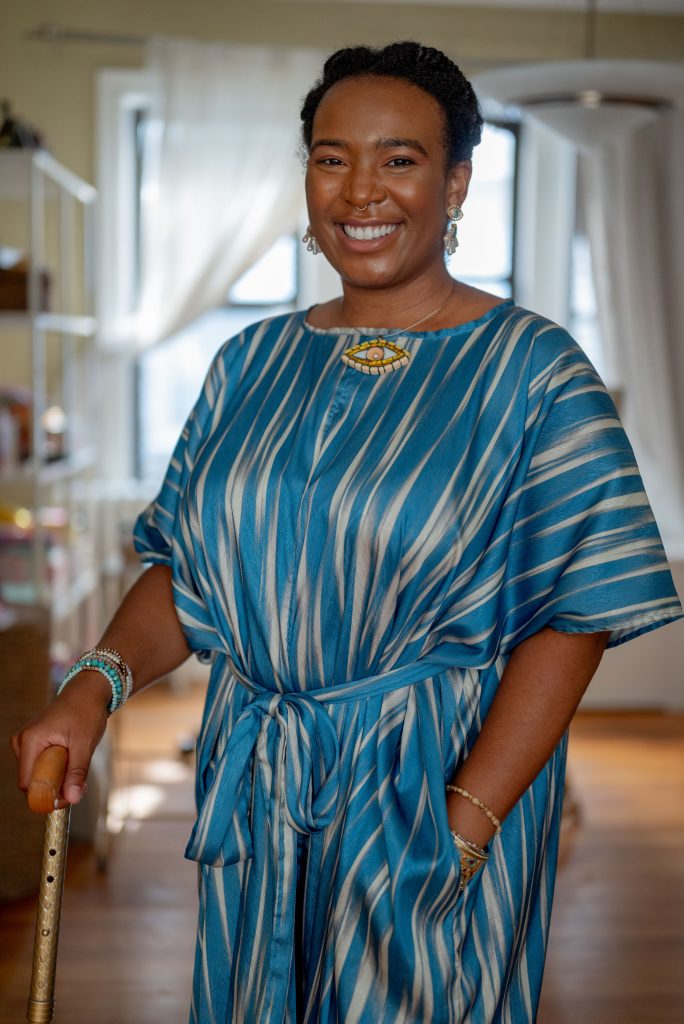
376, 356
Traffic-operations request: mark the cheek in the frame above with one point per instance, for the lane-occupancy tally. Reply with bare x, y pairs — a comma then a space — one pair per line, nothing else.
308, 188
423, 198
319, 193
426, 219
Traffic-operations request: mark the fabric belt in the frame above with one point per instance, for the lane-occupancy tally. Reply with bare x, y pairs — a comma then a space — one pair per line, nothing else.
294, 742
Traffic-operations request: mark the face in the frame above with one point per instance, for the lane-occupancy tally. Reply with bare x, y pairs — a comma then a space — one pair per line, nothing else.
379, 143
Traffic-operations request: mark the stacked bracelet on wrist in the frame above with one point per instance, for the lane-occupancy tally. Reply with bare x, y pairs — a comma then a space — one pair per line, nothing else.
109, 664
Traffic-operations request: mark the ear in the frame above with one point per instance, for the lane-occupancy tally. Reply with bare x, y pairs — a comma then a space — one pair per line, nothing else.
458, 179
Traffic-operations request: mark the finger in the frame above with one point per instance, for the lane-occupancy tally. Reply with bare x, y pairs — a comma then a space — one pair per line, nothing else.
29, 752
60, 803
30, 749
73, 786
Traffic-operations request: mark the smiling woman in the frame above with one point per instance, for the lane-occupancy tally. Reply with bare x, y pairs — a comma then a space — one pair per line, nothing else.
404, 581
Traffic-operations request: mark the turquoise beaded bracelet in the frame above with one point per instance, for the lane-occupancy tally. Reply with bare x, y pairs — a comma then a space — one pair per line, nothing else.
115, 657
109, 664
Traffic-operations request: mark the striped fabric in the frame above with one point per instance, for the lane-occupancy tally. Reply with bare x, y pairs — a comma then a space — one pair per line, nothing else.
357, 556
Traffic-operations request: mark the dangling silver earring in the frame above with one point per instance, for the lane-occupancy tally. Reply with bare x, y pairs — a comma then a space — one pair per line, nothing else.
450, 239
310, 242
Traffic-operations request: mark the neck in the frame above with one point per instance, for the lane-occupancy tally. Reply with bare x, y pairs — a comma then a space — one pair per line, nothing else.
396, 306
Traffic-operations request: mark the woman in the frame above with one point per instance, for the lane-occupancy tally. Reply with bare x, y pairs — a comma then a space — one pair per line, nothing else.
403, 526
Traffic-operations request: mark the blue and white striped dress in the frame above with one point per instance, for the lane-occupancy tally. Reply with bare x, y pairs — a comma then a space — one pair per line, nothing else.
358, 555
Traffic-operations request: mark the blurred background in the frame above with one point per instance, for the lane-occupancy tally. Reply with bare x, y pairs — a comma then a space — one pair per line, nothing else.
151, 205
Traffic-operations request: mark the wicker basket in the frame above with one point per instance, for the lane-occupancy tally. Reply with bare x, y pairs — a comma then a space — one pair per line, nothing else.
25, 676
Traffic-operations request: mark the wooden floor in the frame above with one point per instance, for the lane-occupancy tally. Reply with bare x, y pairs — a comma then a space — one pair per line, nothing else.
616, 954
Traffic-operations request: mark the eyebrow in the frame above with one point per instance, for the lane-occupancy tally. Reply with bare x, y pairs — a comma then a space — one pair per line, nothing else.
381, 143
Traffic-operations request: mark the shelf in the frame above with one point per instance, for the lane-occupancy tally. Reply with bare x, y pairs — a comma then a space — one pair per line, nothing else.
51, 472
71, 465
20, 474
58, 323
55, 359
15, 180
61, 598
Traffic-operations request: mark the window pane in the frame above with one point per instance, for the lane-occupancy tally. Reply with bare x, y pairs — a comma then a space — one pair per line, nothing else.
486, 232
171, 375
271, 279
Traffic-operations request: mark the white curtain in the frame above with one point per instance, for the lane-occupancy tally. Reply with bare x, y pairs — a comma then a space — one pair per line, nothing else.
634, 208
222, 179
546, 183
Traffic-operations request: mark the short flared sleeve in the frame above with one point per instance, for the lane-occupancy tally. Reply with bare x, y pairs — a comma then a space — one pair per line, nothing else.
567, 538
161, 536
584, 553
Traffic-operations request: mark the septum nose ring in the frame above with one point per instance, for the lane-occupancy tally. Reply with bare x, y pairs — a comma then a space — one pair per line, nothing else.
361, 209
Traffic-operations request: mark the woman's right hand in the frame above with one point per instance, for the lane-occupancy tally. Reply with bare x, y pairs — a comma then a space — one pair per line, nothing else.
76, 720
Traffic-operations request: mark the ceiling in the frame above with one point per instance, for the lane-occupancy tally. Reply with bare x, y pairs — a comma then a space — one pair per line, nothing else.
603, 6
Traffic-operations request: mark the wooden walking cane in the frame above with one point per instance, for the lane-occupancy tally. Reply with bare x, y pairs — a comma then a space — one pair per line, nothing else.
44, 788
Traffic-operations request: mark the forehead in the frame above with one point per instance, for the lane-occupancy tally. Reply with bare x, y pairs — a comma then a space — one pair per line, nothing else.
372, 105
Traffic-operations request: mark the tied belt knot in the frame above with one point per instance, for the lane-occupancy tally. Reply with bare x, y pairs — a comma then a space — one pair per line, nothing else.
284, 744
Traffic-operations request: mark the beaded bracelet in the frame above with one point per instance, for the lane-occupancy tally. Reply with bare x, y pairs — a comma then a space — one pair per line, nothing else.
109, 664
124, 674
111, 655
471, 856
110, 674
478, 803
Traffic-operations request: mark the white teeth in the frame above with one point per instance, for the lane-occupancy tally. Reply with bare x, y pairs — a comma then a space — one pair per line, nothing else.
365, 234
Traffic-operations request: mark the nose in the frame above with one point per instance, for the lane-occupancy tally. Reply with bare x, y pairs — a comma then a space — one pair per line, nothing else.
363, 188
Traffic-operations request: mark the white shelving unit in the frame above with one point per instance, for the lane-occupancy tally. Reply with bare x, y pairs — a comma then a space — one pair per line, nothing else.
49, 213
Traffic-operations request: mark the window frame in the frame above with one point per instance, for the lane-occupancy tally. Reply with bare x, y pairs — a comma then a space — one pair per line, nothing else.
510, 280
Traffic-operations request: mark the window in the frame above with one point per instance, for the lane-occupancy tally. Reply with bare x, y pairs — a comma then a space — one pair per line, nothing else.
272, 280
486, 234
170, 375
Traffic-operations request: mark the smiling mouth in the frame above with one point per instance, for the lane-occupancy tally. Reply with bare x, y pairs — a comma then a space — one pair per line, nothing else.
367, 233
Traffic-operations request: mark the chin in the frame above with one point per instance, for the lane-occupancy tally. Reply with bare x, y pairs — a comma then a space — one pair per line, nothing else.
369, 274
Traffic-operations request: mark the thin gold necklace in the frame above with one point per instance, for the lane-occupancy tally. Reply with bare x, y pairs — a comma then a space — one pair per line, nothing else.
371, 356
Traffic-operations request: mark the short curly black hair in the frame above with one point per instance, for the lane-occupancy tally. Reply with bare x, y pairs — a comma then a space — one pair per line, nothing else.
424, 66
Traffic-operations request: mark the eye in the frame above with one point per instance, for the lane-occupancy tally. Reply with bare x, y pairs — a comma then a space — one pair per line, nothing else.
376, 356
330, 161
400, 161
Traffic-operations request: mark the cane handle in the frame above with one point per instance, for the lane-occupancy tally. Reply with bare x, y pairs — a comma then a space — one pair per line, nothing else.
46, 779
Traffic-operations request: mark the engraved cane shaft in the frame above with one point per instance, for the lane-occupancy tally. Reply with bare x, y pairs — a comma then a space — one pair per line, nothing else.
44, 788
